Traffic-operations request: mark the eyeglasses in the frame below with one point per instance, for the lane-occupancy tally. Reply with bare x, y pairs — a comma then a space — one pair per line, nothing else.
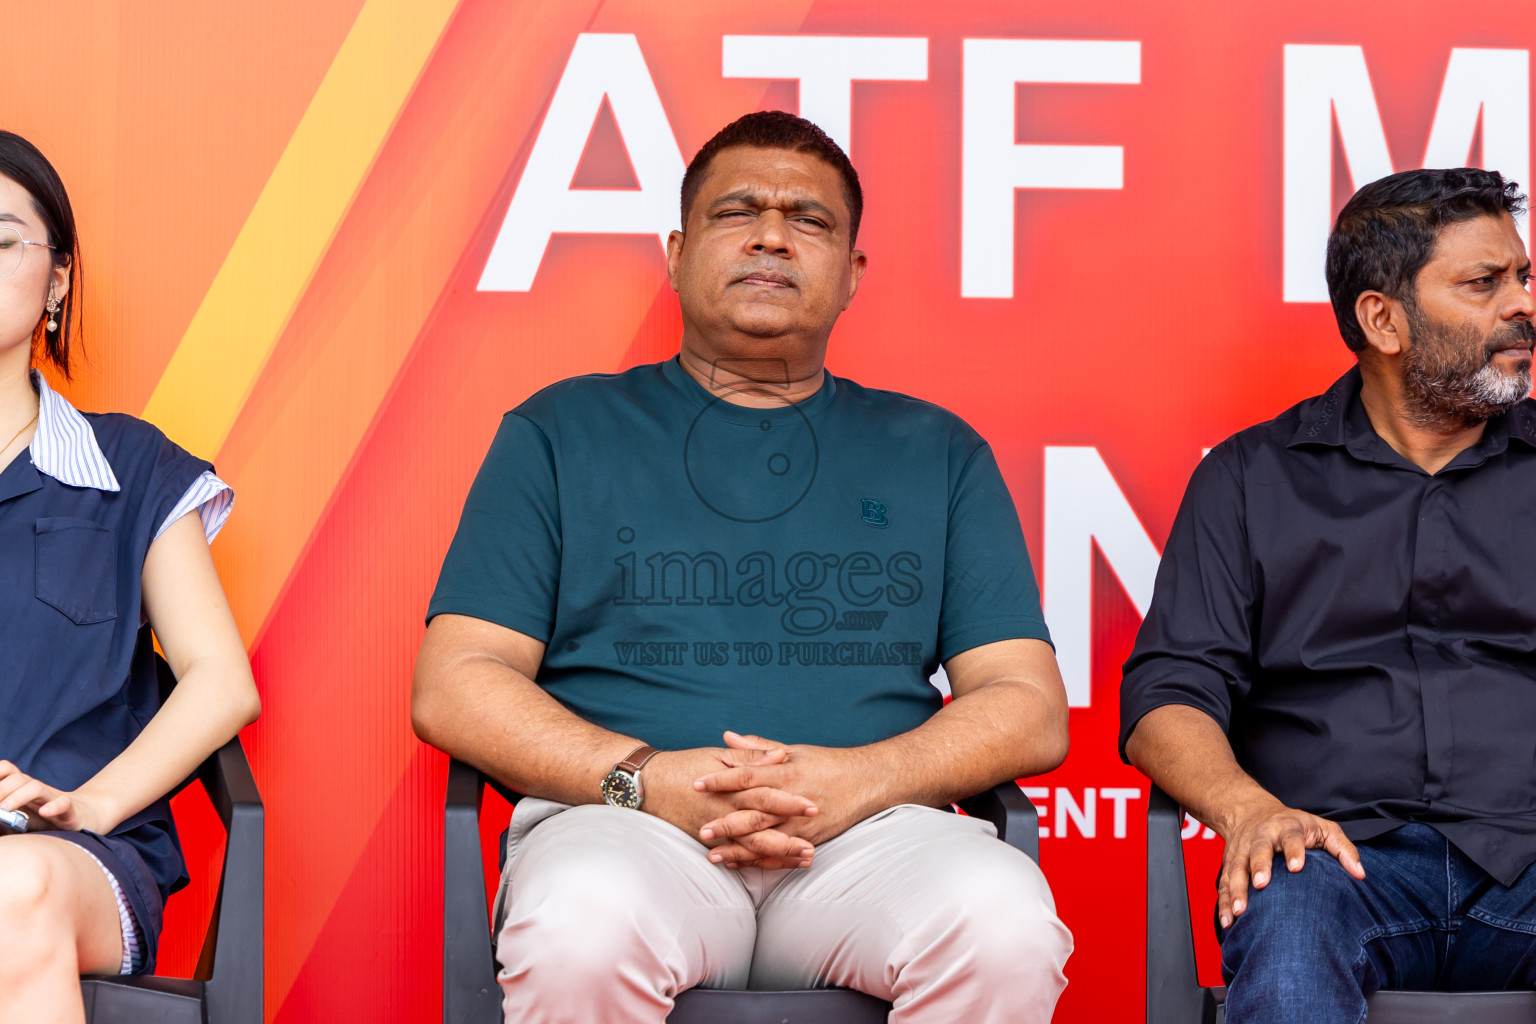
12, 248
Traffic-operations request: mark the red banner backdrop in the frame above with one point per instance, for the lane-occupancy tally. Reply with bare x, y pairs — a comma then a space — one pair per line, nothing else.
328, 244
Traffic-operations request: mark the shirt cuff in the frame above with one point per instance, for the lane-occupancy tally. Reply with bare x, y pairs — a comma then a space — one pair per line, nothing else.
211, 497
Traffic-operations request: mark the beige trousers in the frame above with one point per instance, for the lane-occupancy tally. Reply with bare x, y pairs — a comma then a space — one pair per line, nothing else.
606, 914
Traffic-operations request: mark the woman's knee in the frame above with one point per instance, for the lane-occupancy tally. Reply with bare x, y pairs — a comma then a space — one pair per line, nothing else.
36, 924
31, 890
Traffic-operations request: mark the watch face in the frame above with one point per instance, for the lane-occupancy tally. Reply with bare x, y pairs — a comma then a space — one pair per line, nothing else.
619, 789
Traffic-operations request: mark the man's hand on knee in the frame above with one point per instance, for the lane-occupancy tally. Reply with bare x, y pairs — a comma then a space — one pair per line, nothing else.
1253, 839
671, 796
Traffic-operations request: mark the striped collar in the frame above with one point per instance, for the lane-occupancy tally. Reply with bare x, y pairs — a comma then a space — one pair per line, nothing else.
64, 445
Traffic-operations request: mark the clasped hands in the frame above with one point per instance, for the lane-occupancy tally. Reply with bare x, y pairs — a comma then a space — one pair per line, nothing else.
757, 802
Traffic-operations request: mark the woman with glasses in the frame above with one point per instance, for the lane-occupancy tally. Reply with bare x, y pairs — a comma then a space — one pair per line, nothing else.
104, 531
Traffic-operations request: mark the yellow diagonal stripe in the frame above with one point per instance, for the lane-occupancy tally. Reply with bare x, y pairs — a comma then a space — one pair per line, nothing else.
213, 370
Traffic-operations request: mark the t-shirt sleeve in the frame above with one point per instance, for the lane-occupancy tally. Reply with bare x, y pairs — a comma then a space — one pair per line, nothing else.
990, 592
1195, 646
504, 563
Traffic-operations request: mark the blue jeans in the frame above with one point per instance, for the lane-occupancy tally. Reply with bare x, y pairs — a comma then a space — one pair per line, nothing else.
1314, 944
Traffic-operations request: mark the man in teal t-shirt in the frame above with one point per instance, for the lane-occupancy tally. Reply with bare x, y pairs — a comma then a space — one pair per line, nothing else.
736, 545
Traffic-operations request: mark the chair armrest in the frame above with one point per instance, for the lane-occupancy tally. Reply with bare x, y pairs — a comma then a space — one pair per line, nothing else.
470, 992
227, 778
465, 788
1174, 995
1011, 813
236, 935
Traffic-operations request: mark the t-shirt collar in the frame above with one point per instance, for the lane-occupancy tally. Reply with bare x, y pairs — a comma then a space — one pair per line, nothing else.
64, 446
680, 379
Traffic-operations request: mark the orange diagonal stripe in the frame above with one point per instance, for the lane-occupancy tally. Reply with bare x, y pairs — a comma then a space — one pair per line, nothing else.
251, 299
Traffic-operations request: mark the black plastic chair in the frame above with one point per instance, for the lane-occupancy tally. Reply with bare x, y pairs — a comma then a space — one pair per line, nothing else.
227, 988
472, 996
1174, 994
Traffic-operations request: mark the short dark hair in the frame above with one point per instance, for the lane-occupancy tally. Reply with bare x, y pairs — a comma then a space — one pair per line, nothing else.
777, 129
1387, 231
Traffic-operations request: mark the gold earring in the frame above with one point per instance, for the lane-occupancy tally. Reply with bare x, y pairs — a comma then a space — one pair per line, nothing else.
53, 308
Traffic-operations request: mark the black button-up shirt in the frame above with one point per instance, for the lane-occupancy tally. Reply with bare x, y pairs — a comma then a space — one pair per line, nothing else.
1364, 631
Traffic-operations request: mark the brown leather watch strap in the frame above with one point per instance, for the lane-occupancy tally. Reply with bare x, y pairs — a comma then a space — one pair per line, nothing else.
637, 758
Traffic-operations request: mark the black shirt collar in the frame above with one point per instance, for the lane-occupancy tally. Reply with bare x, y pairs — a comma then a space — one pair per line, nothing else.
1337, 418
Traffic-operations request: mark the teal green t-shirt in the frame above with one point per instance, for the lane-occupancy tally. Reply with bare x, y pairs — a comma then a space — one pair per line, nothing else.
695, 566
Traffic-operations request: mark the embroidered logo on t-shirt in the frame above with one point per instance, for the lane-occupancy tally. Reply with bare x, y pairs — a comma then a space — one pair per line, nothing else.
873, 513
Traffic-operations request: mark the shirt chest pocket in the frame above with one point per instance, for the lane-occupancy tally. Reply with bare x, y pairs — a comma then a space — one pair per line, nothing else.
77, 568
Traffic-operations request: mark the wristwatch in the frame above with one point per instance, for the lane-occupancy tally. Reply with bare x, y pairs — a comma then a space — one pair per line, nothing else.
621, 787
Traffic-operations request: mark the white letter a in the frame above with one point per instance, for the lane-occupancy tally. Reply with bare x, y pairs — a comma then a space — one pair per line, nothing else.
601, 65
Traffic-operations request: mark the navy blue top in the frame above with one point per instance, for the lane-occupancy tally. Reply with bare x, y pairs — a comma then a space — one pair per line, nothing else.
692, 565
77, 671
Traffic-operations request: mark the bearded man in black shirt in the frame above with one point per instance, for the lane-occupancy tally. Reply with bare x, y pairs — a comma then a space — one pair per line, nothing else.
1338, 669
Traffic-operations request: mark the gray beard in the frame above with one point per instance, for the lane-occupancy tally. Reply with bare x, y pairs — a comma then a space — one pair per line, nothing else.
1449, 379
